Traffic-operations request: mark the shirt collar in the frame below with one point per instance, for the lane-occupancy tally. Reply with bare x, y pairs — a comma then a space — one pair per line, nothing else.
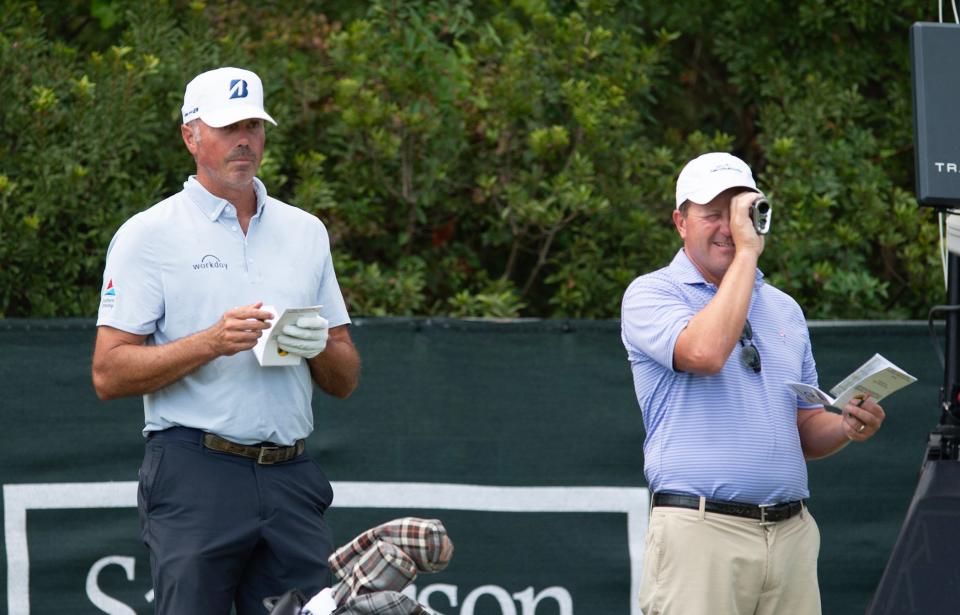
687, 273
213, 206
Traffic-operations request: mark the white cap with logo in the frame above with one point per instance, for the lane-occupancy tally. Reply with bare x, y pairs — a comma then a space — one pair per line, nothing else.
224, 96
706, 176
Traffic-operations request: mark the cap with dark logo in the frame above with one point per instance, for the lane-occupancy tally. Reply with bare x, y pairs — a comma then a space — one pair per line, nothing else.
224, 96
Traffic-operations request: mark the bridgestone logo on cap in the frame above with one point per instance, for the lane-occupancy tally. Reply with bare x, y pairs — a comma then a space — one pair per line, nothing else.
238, 88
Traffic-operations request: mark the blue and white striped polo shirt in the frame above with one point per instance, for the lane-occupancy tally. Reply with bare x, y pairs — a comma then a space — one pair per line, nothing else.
733, 435
175, 268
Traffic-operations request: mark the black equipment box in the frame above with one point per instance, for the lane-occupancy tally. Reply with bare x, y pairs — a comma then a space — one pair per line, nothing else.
935, 60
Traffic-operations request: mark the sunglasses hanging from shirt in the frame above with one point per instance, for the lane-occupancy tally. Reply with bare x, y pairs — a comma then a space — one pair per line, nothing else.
749, 354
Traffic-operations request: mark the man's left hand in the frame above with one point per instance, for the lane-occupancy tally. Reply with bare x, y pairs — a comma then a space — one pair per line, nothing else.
307, 338
862, 418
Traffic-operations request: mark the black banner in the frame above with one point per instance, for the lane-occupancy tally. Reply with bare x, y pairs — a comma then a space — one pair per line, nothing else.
524, 438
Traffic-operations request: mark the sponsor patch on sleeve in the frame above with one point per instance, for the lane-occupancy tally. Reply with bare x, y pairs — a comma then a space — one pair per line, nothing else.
109, 296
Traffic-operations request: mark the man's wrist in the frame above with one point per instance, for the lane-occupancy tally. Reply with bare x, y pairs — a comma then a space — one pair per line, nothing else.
205, 344
746, 257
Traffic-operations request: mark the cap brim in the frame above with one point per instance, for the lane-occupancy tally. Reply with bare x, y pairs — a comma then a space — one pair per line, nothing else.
219, 119
718, 183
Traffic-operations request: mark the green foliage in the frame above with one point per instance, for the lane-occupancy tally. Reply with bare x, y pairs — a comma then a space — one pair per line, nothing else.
398, 292
503, 158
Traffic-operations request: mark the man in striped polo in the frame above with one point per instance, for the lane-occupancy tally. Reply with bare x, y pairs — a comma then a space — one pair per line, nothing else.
711, 346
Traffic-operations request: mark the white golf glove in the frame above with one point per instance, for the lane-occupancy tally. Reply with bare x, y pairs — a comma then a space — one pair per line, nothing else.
307, 338
321, 604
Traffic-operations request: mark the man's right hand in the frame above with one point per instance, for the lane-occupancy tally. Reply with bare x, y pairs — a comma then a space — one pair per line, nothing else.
238, 329
744, 234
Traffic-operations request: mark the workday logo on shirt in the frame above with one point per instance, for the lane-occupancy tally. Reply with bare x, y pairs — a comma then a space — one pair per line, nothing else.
210, 261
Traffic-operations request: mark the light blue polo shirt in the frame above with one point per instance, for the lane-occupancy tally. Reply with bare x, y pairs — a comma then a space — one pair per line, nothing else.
175, 268
733, 435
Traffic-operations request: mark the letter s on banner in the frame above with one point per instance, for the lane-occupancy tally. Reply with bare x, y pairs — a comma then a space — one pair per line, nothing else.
105, 603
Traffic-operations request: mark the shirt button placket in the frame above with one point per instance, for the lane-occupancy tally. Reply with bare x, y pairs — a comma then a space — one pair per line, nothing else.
248, 265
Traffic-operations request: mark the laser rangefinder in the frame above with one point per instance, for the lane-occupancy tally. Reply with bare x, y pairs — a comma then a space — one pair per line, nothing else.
760, 213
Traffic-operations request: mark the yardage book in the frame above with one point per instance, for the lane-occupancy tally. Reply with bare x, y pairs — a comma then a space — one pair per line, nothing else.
877, 378
266, 350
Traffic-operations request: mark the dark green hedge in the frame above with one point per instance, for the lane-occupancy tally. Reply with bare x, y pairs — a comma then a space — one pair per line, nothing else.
492, 158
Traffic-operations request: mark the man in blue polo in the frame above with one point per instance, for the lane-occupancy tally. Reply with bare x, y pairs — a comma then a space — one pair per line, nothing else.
231, 509
711, 346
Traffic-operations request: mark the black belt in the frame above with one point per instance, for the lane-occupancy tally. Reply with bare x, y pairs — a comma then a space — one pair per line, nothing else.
765, 514
266, 454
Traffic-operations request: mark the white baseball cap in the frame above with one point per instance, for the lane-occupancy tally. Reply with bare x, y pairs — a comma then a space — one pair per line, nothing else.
706, 176
223, 96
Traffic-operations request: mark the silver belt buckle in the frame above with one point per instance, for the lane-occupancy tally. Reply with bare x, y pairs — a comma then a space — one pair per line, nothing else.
275, 450
763, 515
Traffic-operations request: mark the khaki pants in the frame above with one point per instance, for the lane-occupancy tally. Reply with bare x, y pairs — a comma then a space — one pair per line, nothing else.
699, 563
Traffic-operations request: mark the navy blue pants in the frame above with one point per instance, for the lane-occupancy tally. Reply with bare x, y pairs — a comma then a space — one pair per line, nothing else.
224, 530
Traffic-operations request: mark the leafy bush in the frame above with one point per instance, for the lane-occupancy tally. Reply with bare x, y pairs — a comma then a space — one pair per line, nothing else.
478, 159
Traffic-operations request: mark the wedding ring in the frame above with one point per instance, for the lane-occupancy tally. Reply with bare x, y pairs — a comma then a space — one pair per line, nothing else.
861, 428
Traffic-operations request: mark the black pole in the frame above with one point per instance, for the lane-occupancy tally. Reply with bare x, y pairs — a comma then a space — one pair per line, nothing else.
951, 372
944, 440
